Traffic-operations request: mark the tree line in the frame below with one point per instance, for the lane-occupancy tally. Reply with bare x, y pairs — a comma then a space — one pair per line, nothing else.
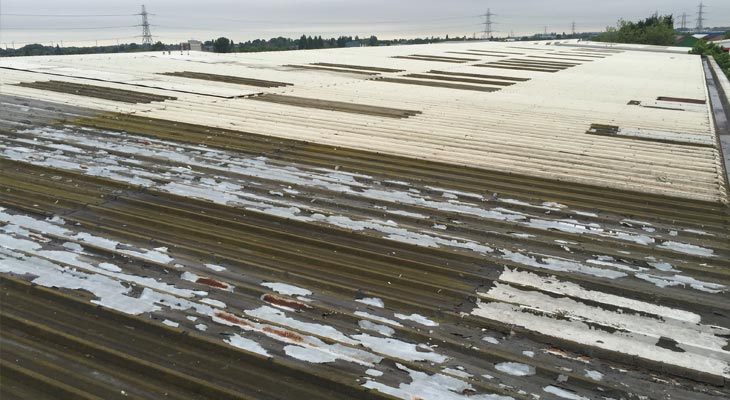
659, 30
655, 30
226, 45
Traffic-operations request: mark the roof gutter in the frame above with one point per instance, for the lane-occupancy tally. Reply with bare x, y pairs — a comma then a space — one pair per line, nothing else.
718, 88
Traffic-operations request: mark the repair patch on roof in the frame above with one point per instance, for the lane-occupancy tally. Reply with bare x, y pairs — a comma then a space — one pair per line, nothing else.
227, 78
99, 92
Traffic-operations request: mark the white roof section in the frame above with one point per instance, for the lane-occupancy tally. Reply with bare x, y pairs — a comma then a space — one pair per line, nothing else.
536, 128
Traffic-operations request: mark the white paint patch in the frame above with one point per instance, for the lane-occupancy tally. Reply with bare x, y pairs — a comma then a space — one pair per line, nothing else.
278, 317
216, 268
705, 360
457, 372
515, 369
109, 267
563, 265
490, 339
286, 289
417, 318
688, 249
562, 393
698, 232
310, 354
595, 375
316, 351
171, 323
398, 349
633, 325
381, 329
364, 314
681, 280
407, 214
374, 372
431, 387
75, 247
663, 266
189, 276
372, 301
554, 285
246, 344
201, 327
214, 303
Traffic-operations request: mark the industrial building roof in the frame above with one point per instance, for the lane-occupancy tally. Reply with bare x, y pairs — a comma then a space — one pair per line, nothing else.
475, 220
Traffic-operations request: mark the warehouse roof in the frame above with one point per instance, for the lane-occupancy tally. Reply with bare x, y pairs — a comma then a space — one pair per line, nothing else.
465, 220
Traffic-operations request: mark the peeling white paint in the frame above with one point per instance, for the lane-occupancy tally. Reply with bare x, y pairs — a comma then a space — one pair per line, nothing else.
563, 394
398, 349
431, 387
595, 375
372, 301
631, 344
417, 318
364, 314
516, 369
286, 289
246, 344
381, 329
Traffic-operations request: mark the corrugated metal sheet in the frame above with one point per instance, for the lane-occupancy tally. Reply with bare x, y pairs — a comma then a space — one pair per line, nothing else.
487, 248
506, 130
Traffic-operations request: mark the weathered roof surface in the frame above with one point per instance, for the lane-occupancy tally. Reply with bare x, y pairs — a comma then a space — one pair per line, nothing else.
364, 227
536, 127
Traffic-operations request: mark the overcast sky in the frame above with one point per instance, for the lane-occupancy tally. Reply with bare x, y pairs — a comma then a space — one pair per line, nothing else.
177, 20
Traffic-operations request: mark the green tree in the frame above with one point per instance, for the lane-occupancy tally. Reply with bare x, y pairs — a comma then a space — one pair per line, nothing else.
716, 51
222, 45
656, 30
158, 46
373, 41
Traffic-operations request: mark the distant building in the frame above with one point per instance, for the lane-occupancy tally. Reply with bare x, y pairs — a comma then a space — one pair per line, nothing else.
354, 43
686, 41
691, 40
194, 45
724, 43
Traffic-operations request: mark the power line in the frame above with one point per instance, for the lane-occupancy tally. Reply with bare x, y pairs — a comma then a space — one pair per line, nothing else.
317, 22
700, 17
146, 34
67, 15
341, 31
487, 33
252, 21
71, 29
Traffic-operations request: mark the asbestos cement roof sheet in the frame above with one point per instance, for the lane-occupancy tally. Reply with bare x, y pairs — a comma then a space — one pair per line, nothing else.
355, 235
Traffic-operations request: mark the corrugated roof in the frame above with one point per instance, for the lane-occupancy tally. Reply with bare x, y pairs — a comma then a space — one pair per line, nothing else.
349, 237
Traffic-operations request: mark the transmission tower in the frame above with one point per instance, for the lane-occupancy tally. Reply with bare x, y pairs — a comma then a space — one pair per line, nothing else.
572, 28
146, 34
487, 33
701, 17
684, 22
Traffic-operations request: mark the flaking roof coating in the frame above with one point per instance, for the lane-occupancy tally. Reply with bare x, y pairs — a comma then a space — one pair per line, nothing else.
331, 271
